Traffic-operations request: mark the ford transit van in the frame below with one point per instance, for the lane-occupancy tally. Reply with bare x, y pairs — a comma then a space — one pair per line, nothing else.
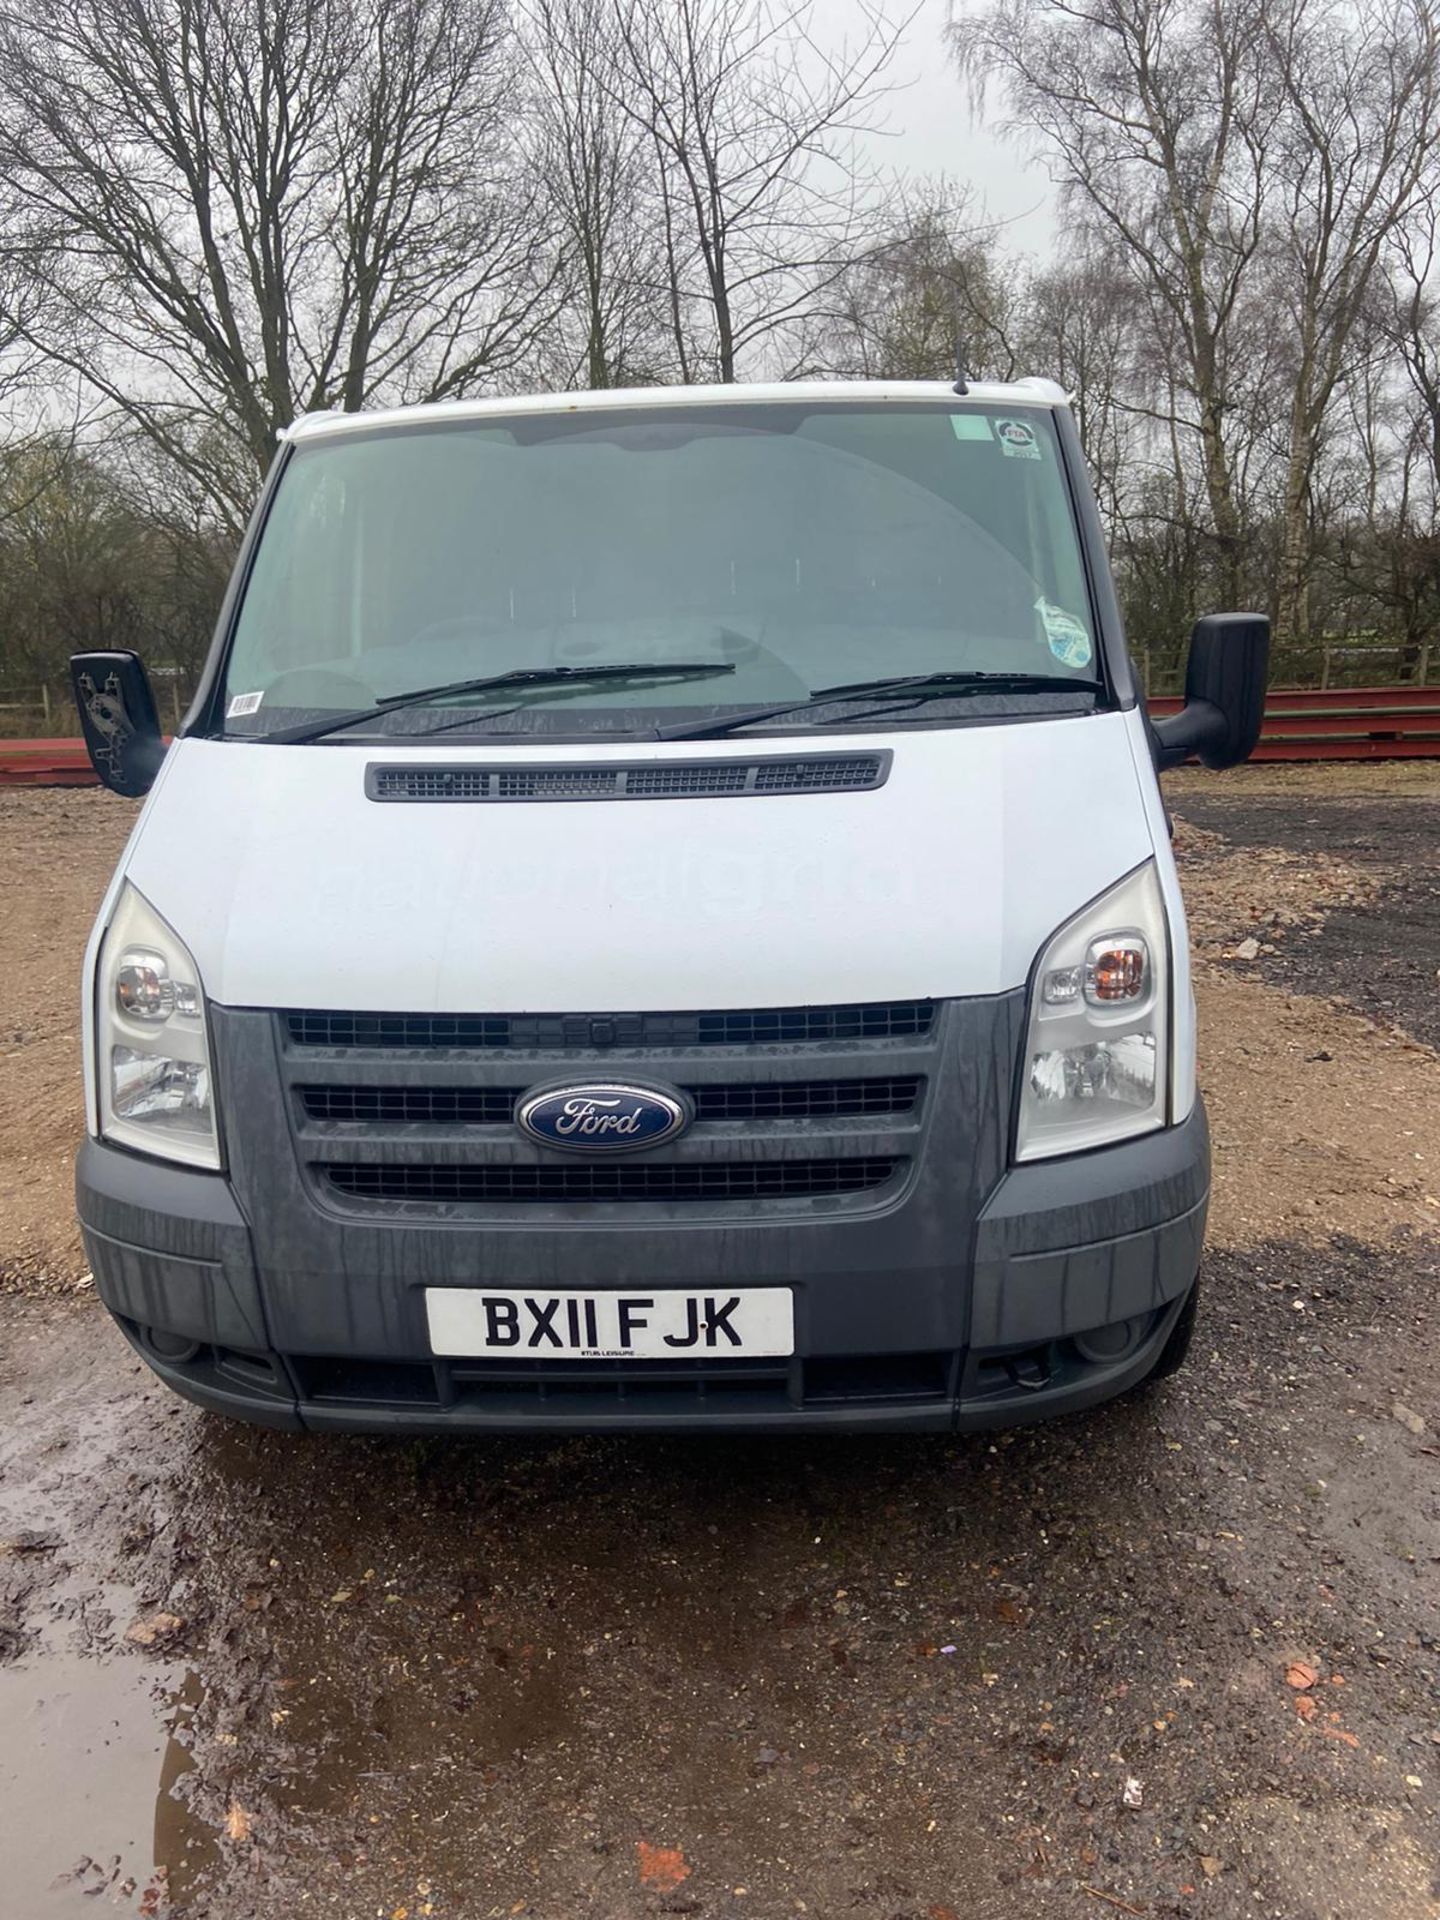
660, 914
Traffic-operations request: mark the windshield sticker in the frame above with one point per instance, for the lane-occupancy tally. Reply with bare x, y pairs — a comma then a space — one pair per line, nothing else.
243, 703
1069, 641
1018, 439
971, 426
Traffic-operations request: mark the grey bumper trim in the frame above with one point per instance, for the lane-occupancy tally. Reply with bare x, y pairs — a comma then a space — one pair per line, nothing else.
169, 1247
1066, 1245
1109, 1192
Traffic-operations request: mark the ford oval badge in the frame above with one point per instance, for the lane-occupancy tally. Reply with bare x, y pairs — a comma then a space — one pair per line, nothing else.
602, 1116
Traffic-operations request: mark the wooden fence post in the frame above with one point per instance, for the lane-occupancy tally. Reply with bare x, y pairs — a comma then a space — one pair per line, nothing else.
1423, 676
1325, 669
45, 703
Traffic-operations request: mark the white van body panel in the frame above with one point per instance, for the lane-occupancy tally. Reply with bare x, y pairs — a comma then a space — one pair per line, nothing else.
293, 889
1029, 392
1182, 991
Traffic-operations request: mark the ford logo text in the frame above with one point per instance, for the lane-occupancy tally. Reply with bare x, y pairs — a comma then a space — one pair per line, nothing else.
603, 1117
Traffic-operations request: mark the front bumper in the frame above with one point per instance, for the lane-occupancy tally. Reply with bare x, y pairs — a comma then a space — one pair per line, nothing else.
890, 1336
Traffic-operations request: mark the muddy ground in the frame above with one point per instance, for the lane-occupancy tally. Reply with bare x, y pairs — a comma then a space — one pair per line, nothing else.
245, 1675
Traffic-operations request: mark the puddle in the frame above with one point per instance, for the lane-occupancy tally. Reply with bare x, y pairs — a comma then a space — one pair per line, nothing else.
94, 1734
91, 1757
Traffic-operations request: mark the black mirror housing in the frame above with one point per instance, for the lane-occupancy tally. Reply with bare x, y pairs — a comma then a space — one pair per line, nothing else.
118, 719
1226, 676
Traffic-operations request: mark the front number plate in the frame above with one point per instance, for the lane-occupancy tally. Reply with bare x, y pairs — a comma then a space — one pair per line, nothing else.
748, 1322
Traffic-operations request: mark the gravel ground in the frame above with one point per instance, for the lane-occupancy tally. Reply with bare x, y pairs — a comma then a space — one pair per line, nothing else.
1180, 1657
1392, 847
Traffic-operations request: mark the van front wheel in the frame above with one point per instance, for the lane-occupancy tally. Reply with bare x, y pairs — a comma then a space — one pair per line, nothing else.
1175, 1352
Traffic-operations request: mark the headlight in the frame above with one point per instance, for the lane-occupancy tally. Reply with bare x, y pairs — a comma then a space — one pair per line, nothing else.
152, 1051
1098, 1042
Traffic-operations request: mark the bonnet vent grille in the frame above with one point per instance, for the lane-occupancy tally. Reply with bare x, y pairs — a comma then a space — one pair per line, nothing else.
649, 780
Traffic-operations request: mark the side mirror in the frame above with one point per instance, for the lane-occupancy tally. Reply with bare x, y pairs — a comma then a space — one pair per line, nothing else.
1225, 680
118, 720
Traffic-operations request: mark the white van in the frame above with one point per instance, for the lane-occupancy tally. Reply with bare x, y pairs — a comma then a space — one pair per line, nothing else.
660, 915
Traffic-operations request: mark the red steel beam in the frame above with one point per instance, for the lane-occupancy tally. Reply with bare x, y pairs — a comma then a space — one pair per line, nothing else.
1344, 723
45, 763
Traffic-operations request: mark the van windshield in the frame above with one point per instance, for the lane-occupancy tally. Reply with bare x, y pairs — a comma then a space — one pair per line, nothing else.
789, 547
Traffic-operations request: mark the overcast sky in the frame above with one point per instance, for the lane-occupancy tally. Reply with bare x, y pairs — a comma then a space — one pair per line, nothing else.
931, 128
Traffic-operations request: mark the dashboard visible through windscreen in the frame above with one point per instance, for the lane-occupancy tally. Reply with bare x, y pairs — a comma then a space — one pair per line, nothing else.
794, 546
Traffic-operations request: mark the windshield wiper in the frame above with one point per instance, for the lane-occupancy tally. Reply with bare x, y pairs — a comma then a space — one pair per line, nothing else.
907, 688
517, 677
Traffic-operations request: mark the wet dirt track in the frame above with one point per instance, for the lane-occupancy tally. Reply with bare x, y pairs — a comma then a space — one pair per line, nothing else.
875, 1677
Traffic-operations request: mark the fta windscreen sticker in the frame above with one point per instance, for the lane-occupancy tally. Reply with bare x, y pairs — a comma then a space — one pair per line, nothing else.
1067, 636
1018, 439
243, 703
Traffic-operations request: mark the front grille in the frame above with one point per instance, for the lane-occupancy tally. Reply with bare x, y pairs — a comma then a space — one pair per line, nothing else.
650, 780
807, 1099
560, 1032
408, 1106
639, 1387
699, 1180
815, 1103
495, 1106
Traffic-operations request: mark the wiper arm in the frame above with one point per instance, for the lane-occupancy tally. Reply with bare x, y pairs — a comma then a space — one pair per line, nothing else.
517, 677
910, 687
966, 679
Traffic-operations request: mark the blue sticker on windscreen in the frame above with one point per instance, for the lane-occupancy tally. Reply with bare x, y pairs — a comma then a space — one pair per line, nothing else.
1068, 638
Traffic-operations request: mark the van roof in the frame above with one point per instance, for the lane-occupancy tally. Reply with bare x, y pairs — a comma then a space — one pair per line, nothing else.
1029, 392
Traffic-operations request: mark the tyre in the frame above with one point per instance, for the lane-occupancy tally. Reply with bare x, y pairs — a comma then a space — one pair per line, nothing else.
1176, 1350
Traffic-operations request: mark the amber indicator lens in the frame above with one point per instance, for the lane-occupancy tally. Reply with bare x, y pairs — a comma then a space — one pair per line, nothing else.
142, 987
1116, 971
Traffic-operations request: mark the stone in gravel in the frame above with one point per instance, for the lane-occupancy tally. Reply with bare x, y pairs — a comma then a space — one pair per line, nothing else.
30, 1540
1409, 1420
154, 1629
1248, 950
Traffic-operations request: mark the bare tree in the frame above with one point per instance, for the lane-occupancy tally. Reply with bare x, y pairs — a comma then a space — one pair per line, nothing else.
67, 561
1353, 150
1080, 328
1154, 113
1250, 160
1410, 318
236, 213
763, 199
933, 283
594, 161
